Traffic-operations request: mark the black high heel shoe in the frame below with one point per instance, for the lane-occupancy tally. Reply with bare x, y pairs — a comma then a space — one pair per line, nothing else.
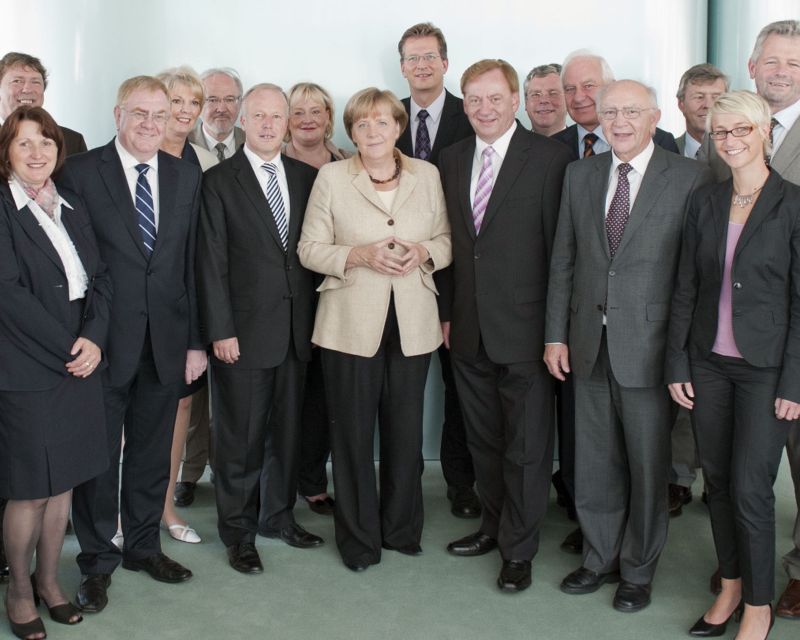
62, 613
703, 629
25, 630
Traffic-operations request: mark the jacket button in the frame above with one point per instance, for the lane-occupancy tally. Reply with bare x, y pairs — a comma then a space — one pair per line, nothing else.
612, 273
149, 272
737, 285
391, 245
477, 256
599, 307
390, 223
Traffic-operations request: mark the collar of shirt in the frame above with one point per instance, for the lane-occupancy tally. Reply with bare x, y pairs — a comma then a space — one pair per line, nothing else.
786, 119
600, 145
690, 146
132, 176
262, 176
434, 109
129, 162
500, 145
639, 165
22, 199
212, 142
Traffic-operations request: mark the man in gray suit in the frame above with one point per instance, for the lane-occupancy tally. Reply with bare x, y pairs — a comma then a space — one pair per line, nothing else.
774, 67
217, 130
611, 277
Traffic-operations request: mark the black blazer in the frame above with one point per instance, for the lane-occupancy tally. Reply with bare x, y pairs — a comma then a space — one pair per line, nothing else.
497, 286
766, 283
453, 126
249, 287
569, 137
35, 337
73, 141
156, 293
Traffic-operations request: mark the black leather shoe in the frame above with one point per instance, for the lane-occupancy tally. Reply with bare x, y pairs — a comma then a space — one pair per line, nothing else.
573, 543
703, 629
631, 597
464, 502
678, 496
244, 558
295, 536
160, 567
92, 596
184, 494
409, 549
356, 567
515, 576
475, 544
322, 507
584, 580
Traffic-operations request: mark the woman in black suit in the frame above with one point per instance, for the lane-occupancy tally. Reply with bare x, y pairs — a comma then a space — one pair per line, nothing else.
734, 353
54, 309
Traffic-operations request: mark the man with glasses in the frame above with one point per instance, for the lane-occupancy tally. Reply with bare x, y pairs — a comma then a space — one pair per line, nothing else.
614, 261
217, 130
436, 119
544, 99
144, 206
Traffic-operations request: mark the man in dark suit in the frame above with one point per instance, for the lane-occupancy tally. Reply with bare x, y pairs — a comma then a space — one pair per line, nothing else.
773, 67
502, 188
257, 306
436, 119
23, 80
583, 75
611, 278
144, 205
216, 129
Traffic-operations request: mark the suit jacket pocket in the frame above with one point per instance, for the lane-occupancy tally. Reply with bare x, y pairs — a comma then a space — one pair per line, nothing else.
332, 282
532, 293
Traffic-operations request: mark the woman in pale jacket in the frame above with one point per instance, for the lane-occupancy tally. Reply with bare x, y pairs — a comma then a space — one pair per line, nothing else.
377, 228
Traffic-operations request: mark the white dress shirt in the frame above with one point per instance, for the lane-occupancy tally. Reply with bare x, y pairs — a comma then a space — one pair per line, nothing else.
212, 142
132, 175
690, 146
432, 122
263, 177
77, 279
500, 147
639, 166
786, 119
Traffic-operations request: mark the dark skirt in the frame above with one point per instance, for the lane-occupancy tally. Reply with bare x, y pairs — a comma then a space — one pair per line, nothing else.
52, 440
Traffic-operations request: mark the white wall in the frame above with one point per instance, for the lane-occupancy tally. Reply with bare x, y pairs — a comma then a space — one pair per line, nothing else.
90, 46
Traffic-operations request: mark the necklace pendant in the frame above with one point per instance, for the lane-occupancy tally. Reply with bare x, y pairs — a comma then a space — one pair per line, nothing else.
742, 201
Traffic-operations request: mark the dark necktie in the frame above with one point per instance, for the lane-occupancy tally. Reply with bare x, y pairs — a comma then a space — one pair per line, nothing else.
422, 149
276, 202
588, 143
220, 147
619, 210
145, 209
772, 124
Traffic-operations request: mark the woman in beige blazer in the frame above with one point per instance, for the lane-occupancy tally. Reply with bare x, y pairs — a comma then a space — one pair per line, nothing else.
377, 229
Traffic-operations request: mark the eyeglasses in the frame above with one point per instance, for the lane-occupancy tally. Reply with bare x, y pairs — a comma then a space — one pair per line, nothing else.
736, 132
553, 94
415, 60
228, 100
629, 113
140, 117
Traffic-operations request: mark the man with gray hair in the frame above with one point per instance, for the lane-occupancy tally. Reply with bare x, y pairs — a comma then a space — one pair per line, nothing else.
257, 310
775, 67
582, 76
217, 130
544, 99
699, 86
607, 310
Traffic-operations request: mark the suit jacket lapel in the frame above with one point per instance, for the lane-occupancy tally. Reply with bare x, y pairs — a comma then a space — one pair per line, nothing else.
767, 202
598, 188
447, 125
31, 226
789, 151
252, 190
464, 168
167, 179
516, 157
720, 213
653, 184
295, 207
113, 176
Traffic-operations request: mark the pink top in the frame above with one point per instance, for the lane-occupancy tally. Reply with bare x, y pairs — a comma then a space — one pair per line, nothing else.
724, 344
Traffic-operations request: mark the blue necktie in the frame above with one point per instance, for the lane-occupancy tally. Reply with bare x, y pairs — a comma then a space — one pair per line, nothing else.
276, 202
144, 206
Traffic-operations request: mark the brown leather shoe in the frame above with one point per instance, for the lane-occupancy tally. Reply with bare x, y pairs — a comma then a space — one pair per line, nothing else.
789, 603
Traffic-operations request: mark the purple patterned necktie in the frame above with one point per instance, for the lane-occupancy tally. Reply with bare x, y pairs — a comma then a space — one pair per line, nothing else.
422, 149
619, 210
484, 188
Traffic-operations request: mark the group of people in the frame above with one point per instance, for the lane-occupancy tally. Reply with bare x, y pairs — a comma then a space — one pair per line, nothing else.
597, 276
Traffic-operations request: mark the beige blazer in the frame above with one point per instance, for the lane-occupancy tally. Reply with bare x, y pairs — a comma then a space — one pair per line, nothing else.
345, 211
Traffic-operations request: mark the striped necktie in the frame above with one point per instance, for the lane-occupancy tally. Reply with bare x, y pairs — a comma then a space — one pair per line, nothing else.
483, 190
588, 143
276, 202
145, 209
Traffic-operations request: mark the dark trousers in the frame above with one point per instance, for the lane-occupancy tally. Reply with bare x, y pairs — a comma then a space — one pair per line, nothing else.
256, 424
454, 454
508, 411
740, 443
146, 408
565, 423
315, 442
791, 561
198, 450
390, 386
622, 458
